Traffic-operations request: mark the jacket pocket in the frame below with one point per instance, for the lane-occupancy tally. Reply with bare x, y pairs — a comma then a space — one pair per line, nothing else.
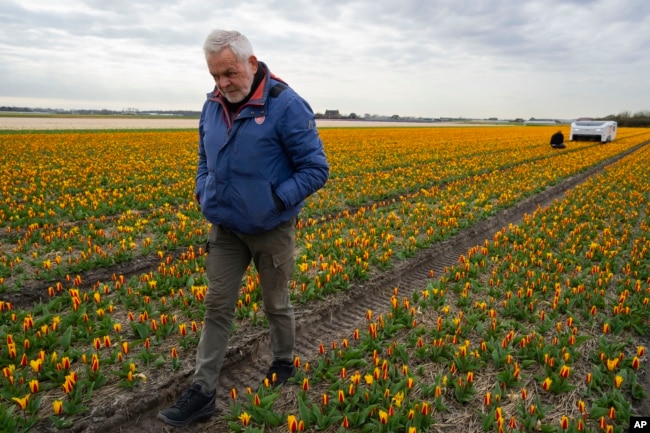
252, 201
207, 196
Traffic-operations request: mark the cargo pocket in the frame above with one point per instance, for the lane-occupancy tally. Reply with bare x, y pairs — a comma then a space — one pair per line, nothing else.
282, 259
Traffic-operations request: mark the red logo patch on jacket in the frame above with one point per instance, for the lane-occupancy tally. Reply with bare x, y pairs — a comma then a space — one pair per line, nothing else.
260, 119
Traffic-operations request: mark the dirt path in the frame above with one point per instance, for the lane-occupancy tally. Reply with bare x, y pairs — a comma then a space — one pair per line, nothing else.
330, 320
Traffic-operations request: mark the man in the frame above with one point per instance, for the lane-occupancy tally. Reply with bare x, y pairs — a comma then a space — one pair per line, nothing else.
557, 140
260, 157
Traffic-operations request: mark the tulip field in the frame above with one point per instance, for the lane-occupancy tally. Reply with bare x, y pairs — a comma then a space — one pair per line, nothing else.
543, 326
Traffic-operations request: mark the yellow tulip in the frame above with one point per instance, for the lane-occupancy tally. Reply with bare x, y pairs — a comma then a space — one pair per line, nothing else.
33, 386
292, 423
245, 419
57, 407
22, 402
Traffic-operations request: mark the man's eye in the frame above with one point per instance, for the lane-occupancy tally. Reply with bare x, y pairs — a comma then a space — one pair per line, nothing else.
230, 75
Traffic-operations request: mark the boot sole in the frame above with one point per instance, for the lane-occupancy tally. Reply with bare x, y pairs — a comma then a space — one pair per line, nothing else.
205, 413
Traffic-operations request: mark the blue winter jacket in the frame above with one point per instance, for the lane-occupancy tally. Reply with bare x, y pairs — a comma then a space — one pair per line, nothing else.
257, 167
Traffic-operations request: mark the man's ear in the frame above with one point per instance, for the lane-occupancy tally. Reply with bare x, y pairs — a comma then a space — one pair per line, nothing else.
252, 61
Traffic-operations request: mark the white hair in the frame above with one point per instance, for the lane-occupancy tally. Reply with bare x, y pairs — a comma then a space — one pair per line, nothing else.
218, 40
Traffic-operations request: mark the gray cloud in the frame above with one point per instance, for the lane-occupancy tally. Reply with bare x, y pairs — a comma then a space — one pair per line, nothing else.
502, 58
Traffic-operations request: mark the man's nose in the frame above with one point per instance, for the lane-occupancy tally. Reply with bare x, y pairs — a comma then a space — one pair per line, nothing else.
223, 82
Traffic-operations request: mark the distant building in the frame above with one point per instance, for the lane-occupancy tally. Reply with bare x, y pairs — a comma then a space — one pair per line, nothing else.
532, 122
332, 114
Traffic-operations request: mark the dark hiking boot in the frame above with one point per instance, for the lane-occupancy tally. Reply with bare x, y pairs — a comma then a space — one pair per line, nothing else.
191, 406
280, 372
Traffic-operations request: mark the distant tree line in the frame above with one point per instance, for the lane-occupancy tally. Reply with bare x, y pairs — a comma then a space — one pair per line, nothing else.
102, 112
640, 119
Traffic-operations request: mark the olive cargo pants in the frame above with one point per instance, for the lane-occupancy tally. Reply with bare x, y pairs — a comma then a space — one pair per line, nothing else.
229, 255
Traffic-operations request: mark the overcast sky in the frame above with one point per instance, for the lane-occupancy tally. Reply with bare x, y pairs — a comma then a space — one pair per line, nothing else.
423, 58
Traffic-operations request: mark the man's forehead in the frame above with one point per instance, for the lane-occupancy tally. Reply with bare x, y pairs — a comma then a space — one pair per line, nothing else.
224, 60
225, 52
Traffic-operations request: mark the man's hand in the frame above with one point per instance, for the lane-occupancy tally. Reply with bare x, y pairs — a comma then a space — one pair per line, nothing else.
278, 203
